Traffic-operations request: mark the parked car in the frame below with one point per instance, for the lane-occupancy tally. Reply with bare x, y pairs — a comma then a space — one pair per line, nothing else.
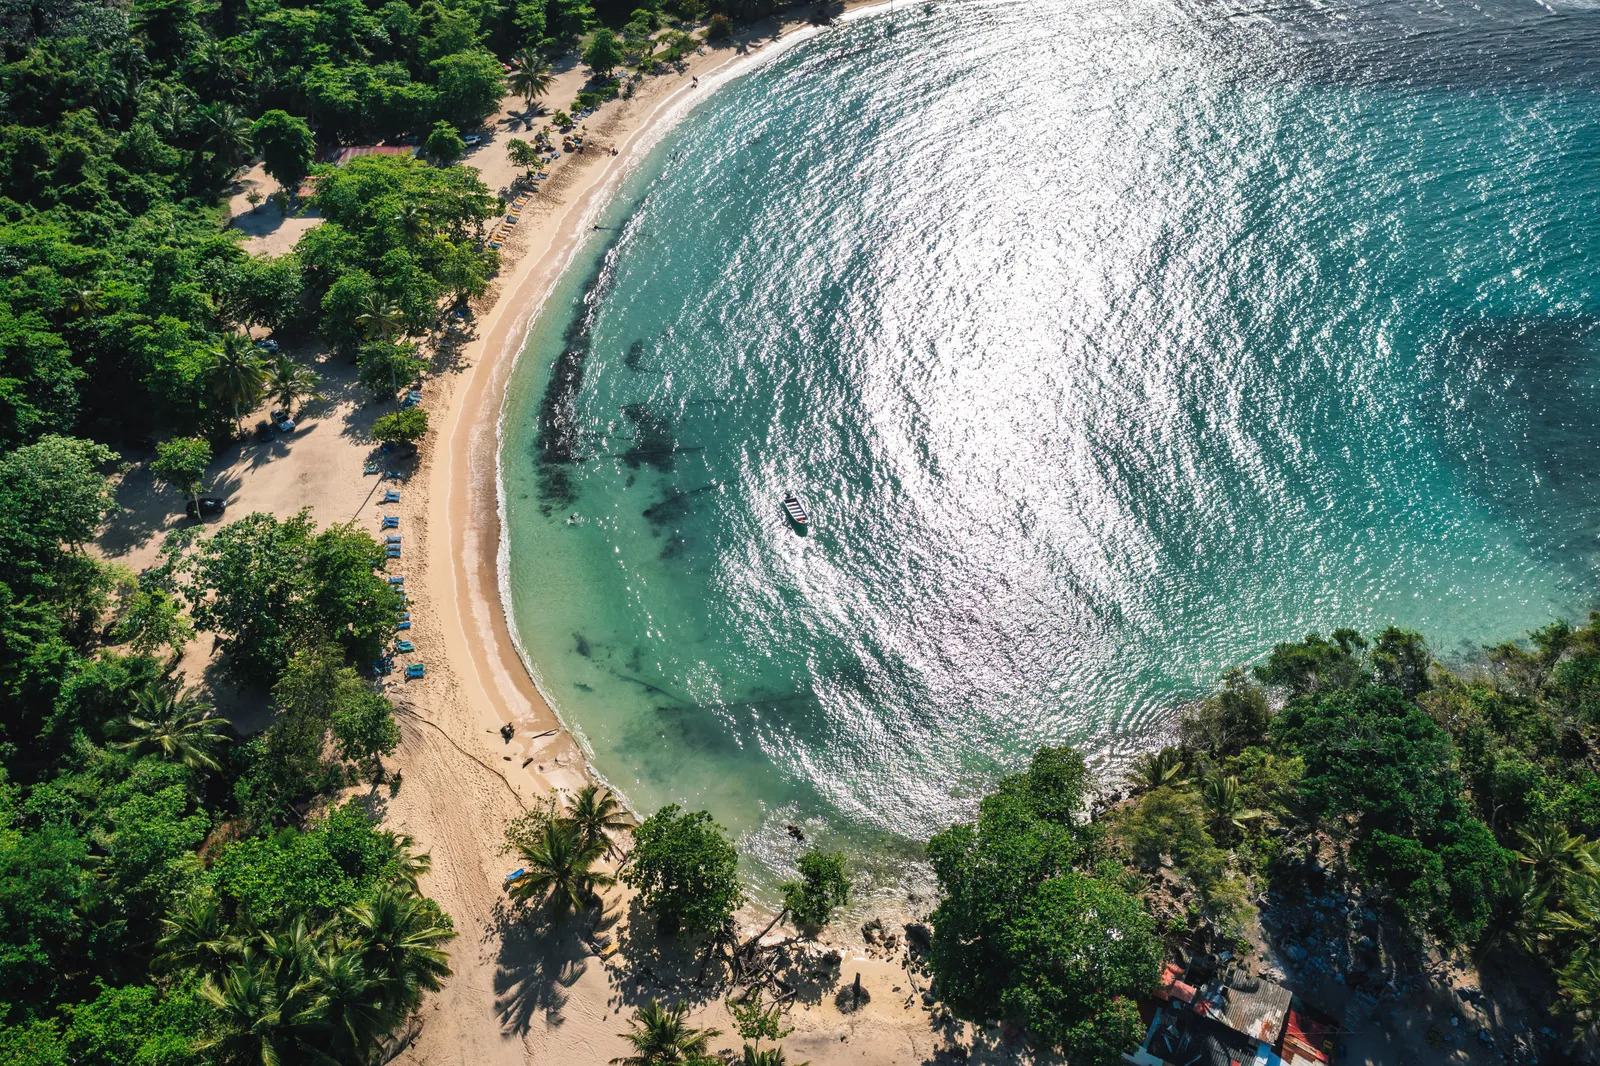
263, 432
281, 419
472, 140
268, 345
209, 507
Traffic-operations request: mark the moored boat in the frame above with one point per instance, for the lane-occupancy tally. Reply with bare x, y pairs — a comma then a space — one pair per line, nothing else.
795, 508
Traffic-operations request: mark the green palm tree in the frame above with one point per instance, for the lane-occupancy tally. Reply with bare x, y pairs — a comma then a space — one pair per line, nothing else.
413, 218
169, 110
237, 374
399, 939
288, 382
1557, 857
1154, 770
225, 133
1520, 914
290, 952
175, 725
195, 934
256, 1020
348, 1008
411, 865
558, 865
531, 79
772, 1056
596, 811
660, 1037
1579, 985
380, 317
84, 300
1219, 795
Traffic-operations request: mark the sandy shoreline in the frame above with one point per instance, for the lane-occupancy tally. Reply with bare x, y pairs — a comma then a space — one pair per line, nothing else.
523, 995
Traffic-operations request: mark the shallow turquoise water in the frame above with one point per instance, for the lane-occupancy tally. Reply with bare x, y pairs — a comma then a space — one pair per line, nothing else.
1109, 343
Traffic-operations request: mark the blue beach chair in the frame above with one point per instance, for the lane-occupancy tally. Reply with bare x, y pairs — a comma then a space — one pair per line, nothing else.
391, 521
393, 552
414, 670
391, 496
405, 646
402, 626
397, 581
393, 538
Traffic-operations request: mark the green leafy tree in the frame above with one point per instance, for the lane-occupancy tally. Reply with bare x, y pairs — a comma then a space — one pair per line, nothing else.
1084, 950
1228, 721
268, 587
181, 463
470, 85
402, 427
46, 889
686, 871
824, 886
317, 695
286, 145
1170, 823
523, 154
1027, 929
384, 366
136, 1024
444, 144
1400, 658
1316, 664
603, 53
756, 1021
264, 290
152, 618
364, 729
53, 498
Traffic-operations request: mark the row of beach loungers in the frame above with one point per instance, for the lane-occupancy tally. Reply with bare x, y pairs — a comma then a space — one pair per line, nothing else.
513, 216
391, 550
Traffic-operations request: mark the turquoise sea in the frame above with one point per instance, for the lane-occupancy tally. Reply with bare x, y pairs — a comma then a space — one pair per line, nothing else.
1109, 343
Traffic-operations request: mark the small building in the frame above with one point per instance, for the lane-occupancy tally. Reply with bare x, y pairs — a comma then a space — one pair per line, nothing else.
343, 154
1308, 1039
1232, 1019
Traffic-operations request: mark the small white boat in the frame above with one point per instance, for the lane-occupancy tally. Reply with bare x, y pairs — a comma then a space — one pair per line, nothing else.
795, 508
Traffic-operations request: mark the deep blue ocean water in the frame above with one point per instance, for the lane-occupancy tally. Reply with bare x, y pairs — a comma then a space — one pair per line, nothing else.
1109, 343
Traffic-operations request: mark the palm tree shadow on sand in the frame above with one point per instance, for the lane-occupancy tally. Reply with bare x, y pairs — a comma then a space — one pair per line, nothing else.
540, 959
